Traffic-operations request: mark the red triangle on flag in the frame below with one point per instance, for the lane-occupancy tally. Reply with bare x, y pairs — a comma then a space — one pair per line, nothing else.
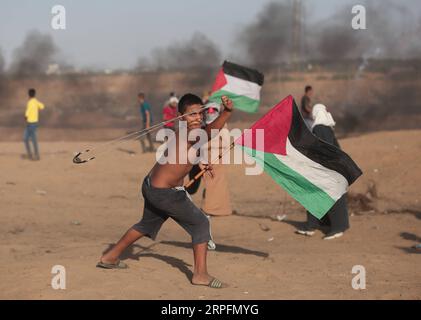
220, 81
276, 125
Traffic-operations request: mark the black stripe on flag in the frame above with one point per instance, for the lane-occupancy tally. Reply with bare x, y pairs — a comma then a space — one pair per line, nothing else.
244, 73
320, 151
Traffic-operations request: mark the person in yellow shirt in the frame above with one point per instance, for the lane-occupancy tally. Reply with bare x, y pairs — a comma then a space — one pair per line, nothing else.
32, 116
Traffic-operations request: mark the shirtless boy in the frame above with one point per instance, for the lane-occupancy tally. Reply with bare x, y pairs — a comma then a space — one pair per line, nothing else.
164, 198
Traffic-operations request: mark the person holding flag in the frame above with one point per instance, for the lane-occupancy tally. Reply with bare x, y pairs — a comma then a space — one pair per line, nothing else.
243, 86
337, 217
215, 197
165, 197
314, 172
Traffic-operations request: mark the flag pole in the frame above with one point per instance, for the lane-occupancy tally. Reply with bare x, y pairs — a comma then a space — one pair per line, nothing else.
201, 173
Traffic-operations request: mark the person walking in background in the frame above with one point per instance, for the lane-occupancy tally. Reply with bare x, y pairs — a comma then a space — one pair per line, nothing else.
32, 118
146, 114
306, 106
215, 198
337, 217
170, 112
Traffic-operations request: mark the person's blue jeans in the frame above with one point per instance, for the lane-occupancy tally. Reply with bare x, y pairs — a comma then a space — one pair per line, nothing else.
30, 134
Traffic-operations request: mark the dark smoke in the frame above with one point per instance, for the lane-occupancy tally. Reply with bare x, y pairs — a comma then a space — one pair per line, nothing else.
336, 40
36, 53
338, 43
198, 52
394, 29
268, 40
395, 108
333, 38
392, 32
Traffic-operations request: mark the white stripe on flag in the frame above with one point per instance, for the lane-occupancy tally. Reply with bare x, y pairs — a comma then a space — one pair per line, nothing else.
242, 87
330, 181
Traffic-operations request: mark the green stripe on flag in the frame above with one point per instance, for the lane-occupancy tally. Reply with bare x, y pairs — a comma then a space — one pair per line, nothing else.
311, 197
242, 103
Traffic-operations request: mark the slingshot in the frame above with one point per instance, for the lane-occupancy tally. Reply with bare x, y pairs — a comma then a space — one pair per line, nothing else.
135, 135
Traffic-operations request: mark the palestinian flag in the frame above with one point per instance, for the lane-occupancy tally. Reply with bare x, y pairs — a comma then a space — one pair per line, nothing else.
242, 85
312, 171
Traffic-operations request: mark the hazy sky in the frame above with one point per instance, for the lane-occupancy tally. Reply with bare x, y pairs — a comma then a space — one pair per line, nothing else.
114, 34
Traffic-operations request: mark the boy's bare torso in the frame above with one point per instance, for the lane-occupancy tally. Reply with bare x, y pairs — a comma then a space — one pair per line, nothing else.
171, 175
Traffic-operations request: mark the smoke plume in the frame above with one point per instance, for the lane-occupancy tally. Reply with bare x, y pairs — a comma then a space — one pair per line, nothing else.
280, 31
34, 55
268, 40
392, 32
197, 52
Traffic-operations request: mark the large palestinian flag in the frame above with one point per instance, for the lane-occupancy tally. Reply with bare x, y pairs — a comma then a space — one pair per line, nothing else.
239, 83
312, 171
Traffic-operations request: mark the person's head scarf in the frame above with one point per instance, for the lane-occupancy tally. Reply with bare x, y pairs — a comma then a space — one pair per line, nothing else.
321, 116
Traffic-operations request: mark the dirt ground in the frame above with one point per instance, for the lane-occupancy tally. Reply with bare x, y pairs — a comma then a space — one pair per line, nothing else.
56, 213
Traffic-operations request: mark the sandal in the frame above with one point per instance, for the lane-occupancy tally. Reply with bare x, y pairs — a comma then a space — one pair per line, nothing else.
214, 283
118, 265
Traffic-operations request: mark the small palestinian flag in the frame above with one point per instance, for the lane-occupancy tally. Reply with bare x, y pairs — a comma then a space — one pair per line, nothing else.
312, 171
242, 85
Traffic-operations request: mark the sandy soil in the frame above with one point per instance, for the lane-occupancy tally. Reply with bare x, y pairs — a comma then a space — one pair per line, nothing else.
56, 213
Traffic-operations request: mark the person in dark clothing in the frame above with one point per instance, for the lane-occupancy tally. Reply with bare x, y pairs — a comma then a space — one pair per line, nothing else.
337, 217
145, 112
306, 106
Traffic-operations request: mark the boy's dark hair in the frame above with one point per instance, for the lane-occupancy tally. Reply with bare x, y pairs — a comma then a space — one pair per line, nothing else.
141, 95
32, 92
308, 88
187, 100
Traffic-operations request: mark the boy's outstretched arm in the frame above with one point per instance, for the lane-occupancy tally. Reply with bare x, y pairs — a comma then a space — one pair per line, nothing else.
223, 116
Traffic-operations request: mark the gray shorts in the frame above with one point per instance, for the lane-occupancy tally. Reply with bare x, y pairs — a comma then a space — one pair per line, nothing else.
162, 203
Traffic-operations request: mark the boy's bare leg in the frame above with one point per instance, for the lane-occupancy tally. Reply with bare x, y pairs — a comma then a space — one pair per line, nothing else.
129, 237
200, 275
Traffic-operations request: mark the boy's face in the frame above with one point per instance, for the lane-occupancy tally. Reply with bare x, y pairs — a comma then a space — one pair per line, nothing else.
195, 118
140, 99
